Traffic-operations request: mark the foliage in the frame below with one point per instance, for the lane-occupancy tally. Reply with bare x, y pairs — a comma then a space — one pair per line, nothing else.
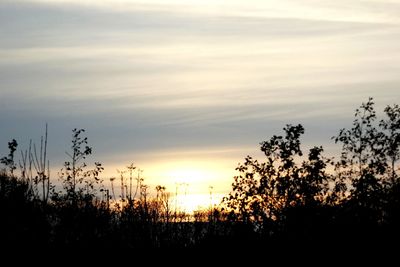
9, 160
286, 197
264, 190
391, 137
78, 182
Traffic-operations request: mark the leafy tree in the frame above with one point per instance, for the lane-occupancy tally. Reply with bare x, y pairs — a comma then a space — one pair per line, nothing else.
362, 161
314, 186
77, 181
370, 151
391, 129
281, 153
264, 190
391, 134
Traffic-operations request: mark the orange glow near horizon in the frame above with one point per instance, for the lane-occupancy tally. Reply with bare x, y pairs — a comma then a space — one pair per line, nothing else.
198, 187
196, 202
195, 184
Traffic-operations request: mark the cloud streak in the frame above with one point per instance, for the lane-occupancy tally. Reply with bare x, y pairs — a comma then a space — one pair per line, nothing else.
157, 78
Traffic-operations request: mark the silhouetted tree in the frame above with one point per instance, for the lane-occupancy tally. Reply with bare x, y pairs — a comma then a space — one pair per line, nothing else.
265, 191
363, 146
366, 172
362, 168
314, 185
77, 181
391, 129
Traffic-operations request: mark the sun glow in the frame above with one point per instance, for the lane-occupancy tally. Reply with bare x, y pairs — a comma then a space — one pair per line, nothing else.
194, 179
190, 184
193, 183
188, 175
197, 202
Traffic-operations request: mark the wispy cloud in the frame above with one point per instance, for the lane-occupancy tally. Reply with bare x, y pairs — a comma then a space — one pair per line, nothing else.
153, 76
339, 10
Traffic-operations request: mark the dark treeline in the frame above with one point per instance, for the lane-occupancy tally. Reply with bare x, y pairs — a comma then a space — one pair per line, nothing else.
285, 198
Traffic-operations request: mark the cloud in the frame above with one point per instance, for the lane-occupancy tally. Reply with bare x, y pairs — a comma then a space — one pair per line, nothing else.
377, 11
154, 79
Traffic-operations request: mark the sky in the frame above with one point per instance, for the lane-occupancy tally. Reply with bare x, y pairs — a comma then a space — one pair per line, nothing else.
185, 89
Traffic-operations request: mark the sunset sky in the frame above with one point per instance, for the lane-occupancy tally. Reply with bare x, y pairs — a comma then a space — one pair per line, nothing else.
185, 89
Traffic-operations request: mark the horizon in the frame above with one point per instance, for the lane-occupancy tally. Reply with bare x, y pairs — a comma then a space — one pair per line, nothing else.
186, 89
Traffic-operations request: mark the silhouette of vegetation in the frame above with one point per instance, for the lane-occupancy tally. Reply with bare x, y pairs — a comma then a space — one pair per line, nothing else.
288, 197
78, 182
9, 160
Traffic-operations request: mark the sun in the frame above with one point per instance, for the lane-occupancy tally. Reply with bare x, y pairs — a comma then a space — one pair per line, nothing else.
190, 203
193, 183
187, 186
197, 202
193, 188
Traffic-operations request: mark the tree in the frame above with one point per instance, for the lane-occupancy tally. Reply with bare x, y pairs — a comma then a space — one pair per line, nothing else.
264, 190
77, 181
391, 128
370, 151
362, 160
281, 153
315, 183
